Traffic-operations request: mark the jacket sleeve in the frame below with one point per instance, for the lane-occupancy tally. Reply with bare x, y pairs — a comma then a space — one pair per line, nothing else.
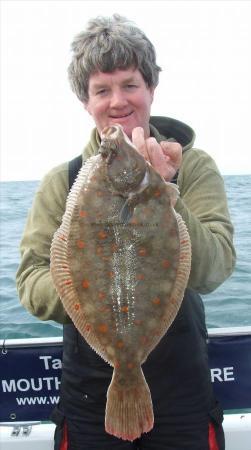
203, 207
34, 283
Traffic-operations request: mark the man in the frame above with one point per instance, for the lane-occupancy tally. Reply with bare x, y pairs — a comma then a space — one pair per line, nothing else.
114, 74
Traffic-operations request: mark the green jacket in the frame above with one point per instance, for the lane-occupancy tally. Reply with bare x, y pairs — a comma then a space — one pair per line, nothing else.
202, 204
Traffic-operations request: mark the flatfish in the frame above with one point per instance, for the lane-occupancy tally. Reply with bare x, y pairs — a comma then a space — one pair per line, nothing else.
120, 262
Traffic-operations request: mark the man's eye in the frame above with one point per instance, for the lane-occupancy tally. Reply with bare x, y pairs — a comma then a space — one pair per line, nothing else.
101, 91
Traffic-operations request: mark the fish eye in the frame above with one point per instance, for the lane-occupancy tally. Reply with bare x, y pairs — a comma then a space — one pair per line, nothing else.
103, 149
113, 146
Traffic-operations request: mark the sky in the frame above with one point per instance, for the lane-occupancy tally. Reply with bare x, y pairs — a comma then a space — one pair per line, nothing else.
204, 50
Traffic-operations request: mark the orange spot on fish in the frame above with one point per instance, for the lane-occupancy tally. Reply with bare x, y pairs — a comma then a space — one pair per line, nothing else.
101, 295
104, 309
172, 300
134, 221
106, 258
144, 340
130, 365
62, 237
85, 284
140, 276
67, 282
110, 274
88, 327
156, 301
102, 234
166, 263
116, 364
184, 241
147, 211
156, 333
114, 248
157, 193
103, 328
142, 251
138, 322
125, 309
80, 244
77, 306
82, 213
120, 344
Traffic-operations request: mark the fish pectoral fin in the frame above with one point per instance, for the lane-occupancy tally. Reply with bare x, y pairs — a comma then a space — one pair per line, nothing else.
128, 208
133, 199
126, 212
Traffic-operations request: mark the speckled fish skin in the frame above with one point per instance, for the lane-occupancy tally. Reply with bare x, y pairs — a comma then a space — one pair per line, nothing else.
120, 262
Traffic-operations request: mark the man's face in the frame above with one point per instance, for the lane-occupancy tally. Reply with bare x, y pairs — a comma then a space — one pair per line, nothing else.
120, 97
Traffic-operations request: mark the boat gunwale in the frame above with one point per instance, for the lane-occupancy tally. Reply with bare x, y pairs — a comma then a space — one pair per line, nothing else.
45, 341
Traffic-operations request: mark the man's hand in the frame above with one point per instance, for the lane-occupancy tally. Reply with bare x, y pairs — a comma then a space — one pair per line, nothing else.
165, 157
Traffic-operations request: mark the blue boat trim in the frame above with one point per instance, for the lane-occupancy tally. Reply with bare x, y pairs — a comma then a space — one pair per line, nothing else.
31, 371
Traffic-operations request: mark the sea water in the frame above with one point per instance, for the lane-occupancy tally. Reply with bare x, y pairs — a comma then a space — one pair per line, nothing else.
227, 306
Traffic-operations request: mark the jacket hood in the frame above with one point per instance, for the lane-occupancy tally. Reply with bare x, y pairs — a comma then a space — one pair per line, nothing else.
173, 129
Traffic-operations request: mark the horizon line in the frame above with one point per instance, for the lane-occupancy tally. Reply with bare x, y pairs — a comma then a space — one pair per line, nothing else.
38, 180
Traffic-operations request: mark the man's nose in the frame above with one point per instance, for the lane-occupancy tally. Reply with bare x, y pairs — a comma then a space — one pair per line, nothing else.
118, 99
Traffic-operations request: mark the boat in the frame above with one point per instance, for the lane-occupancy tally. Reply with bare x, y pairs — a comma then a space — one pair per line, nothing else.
30, 381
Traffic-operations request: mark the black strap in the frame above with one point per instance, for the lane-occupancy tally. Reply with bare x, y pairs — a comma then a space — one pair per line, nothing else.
175, 178
74, 167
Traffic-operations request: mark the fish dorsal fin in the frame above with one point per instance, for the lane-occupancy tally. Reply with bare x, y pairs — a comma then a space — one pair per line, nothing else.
84, 174
60, 268
176, 295
183, 272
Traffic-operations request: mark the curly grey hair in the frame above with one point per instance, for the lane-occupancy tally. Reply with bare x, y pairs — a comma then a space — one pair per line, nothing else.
107, 44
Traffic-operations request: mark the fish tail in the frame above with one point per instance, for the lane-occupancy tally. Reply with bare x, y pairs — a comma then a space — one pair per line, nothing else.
129, 411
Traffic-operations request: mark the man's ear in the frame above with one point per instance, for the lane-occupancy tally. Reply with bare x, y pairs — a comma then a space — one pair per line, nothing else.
152, 91
86, 106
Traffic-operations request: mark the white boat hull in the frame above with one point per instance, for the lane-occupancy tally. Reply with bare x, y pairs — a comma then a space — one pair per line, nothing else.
237, 429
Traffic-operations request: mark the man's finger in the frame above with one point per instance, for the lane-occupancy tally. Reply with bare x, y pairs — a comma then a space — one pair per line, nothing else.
156, 155
138, 139
173, 150
170, 148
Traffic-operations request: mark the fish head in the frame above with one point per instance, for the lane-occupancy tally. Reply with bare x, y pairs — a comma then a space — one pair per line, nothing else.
126, 168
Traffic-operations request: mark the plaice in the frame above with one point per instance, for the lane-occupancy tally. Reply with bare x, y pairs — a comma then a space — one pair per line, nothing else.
120, 262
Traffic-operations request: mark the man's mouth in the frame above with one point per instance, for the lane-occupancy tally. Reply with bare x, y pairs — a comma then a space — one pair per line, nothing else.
120, 116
